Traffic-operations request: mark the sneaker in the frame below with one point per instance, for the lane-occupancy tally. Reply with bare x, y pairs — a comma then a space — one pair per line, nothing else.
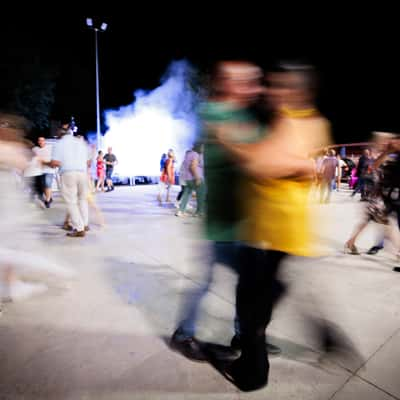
47, 204
179, 213
188, 346
271, 349
87, 229
374, 249
396, 269
76, 233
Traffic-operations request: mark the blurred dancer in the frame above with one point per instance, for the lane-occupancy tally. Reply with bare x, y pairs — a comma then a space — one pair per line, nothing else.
21, 253
235, 87
43, 152
276, 203
194, 180
383, 200
73, 157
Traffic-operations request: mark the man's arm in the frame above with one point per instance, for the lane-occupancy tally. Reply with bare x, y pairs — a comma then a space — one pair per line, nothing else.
194, 169
269, 158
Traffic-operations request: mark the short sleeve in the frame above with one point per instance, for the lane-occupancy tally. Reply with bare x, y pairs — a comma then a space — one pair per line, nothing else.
56, 153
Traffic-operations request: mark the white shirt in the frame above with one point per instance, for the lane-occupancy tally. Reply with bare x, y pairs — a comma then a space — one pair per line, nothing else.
34, 168
72, 153
45, 154
341, 165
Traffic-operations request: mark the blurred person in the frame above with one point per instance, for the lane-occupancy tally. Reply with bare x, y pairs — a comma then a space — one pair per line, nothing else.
21, 253
111, 161
162, 161
167, 177
383, 200
182, 177
329, 166
235, 87
341, 166
364, 162
277, 220
100, 171
33, 176
43, 152
194, 181
72, 156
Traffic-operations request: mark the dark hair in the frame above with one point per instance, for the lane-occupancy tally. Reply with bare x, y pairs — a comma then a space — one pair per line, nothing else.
306, 70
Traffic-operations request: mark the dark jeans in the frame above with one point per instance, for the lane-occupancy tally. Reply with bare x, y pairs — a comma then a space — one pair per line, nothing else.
35, 185
219, 252
178, 198
258, 291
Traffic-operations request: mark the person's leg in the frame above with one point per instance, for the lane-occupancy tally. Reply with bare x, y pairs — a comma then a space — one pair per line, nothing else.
48, 183
350, 244
38, 186
69, 190
200, 198
161, 188
183, 339
187, 193
178, 198
258, 291
83, 189
168, 187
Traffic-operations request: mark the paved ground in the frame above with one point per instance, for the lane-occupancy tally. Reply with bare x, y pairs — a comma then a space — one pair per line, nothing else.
103, 337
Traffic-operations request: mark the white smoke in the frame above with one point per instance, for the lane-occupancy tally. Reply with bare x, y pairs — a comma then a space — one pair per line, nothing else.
156, 121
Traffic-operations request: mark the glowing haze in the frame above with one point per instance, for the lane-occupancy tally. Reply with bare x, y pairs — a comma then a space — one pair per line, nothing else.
156, 121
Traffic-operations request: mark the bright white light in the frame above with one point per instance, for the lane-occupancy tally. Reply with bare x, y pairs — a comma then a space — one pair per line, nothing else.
157, 121
89, 22
103, 26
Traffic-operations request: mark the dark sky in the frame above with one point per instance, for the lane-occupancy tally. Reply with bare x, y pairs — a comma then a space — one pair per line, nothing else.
358, 62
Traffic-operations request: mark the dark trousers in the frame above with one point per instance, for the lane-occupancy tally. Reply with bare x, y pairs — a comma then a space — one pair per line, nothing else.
178, 198
258, 291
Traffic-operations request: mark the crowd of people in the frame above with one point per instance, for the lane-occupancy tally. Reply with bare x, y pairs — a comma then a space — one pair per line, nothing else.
251, 178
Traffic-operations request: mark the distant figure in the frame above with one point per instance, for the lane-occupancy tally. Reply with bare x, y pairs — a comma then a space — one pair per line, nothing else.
328, 170
167, 177
111, 161
72, 155
100, 171
43, 152
162, 161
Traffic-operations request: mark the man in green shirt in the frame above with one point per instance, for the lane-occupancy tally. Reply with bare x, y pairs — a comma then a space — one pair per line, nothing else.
236, 86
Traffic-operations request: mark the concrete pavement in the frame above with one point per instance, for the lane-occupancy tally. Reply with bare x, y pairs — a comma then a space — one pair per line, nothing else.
103, 337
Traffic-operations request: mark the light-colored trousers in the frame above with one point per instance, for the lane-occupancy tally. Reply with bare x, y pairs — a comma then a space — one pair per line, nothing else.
74, 188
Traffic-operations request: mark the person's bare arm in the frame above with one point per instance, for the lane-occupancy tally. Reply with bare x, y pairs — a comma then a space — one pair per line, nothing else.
268, 158
194, 169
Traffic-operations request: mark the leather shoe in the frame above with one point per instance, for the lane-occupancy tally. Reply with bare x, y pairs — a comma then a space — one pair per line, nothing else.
189, 347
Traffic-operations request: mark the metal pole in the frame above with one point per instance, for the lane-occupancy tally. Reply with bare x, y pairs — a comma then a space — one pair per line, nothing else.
98, 136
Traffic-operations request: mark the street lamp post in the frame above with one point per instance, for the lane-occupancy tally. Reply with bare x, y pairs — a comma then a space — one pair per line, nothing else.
96, 29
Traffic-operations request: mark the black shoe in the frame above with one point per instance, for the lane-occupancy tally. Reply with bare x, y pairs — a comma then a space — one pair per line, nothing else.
47, 204
374, 249
242, 380
271, 349
396, 269
188, 347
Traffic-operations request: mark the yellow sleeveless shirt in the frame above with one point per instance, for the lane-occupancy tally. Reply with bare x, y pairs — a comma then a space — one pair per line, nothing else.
277, 210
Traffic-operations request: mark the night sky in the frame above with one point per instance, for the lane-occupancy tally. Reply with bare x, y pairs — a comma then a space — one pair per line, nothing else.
358, 63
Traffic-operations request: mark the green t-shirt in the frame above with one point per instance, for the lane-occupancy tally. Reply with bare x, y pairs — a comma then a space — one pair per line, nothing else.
222, 175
